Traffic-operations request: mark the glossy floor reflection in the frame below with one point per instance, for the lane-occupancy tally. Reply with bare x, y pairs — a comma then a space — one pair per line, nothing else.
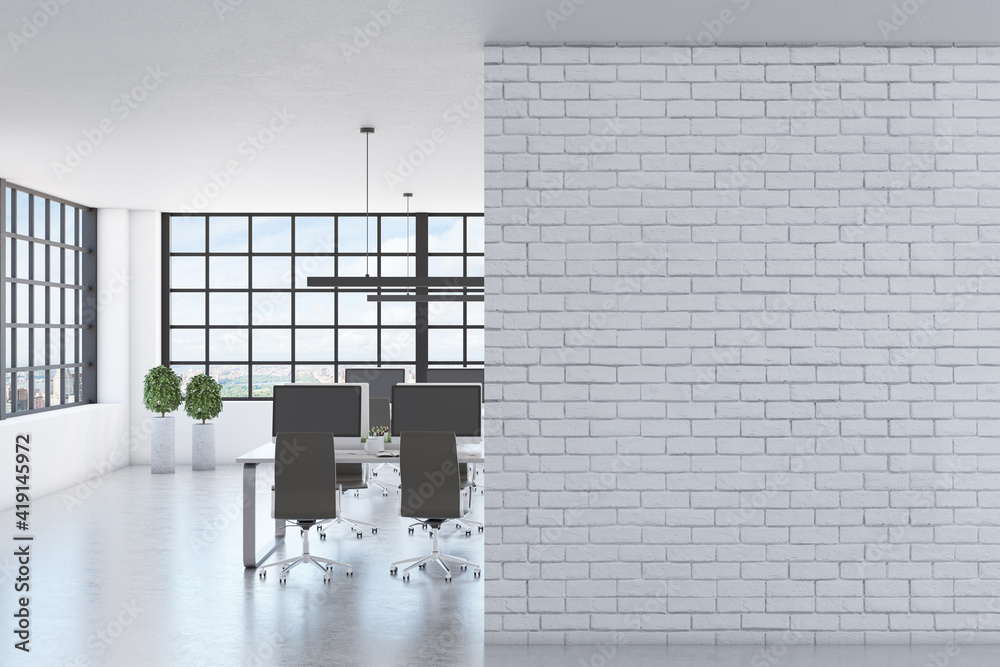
140, 569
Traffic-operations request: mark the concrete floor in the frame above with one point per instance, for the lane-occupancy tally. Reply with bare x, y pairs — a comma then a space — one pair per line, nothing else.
744, 656
145, 570
135, 569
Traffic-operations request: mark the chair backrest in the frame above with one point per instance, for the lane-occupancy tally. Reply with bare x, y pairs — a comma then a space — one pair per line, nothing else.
305, 476
378, 412
428, 473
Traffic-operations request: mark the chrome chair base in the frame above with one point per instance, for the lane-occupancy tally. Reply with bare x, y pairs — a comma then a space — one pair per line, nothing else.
353, 523
435, 556
286, 565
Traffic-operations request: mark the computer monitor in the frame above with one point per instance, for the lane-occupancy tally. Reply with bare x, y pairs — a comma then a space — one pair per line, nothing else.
380, 380
438, 407
457, 375
340, 409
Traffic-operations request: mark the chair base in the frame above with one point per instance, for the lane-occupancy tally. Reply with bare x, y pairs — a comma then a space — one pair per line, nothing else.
385, 491
286, 565
435, 556
353, 523
466, 523
374, 474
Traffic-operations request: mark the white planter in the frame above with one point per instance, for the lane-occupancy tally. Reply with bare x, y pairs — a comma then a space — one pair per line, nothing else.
203, 447
374, 445
162, 454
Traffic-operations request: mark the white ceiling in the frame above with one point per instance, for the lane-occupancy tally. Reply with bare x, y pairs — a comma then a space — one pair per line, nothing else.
230, 65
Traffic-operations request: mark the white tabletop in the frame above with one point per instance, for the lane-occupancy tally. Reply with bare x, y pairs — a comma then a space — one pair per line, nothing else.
265, 454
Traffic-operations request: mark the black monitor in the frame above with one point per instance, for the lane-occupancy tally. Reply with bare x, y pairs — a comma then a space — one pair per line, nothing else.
438, 407
340, 409
461, 375
380, 380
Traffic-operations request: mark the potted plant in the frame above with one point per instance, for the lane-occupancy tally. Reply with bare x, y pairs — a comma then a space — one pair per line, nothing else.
161, 392
203, 401
376, 438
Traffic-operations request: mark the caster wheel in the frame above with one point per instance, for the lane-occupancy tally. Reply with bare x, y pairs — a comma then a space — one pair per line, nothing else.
406, 576
262, 574
360, 535
374, 474
392, 570
410, 530
422, 565
350, 573
374, 530
468, 532
447, 577
322, 536
464, 566
480, 529
475, 573
326, 578
355, 494
424, 526
384, 493
281, 580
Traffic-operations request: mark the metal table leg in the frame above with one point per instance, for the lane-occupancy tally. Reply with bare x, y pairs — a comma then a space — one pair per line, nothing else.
251, 556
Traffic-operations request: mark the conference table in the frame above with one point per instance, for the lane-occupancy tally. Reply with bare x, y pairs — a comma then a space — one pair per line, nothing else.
254, 556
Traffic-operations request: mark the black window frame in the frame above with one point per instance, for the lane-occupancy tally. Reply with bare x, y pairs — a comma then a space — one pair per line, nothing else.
50, 282
420, 326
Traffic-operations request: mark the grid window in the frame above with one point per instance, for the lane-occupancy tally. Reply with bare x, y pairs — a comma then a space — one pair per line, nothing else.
456, 247
49, 267
238, 307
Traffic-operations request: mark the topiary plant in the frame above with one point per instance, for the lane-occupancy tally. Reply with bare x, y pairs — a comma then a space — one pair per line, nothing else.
161, 390
204, 398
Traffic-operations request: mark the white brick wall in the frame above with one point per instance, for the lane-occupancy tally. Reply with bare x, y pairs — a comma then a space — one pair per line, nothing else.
743, 344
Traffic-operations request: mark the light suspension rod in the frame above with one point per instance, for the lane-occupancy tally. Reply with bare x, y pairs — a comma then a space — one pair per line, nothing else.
407, 195
367, 131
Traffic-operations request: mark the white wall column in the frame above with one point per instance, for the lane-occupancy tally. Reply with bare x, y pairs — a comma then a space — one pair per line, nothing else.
113, 288
144, 324
113, 282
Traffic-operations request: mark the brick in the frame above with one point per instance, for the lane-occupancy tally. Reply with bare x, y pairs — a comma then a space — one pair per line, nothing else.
742, 342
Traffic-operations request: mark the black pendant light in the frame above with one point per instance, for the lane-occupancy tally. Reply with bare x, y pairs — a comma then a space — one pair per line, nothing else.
434, 288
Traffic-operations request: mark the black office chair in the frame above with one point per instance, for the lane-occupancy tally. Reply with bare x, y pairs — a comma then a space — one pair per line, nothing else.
430, 490
304, 492
378, 415
467, 484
